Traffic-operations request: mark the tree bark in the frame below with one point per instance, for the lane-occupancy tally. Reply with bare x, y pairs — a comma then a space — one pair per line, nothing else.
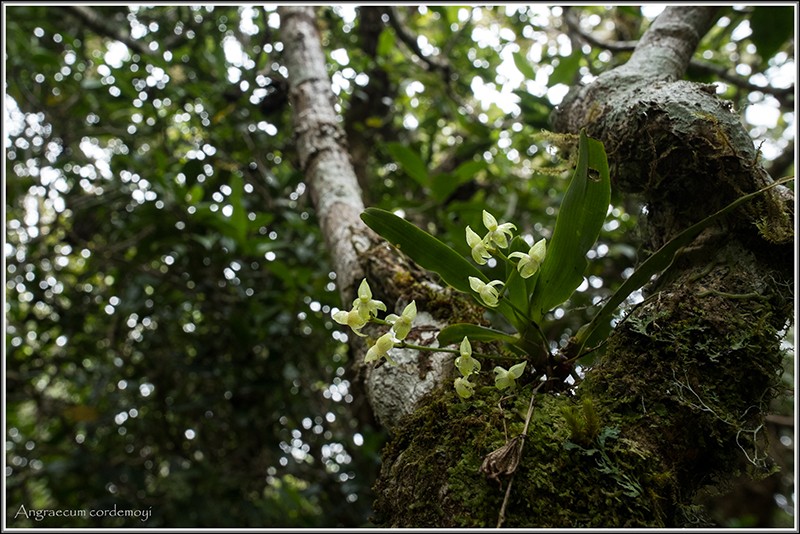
321, 149
683, 386
356, 252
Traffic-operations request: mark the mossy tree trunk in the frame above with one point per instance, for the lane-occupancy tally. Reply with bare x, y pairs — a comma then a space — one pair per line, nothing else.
681, 391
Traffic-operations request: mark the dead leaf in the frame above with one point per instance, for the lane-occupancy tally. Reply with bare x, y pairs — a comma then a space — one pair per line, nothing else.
503, 461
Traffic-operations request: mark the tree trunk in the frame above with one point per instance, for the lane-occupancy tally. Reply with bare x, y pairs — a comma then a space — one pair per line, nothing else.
356, 252
685, 380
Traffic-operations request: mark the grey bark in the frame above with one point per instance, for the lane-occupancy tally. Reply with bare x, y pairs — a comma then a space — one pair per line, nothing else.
662, 133
356, 252
321, 148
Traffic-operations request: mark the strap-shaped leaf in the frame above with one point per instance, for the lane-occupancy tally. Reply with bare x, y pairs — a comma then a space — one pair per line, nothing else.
426, 250
456, 332
578, 224
430, 253
659, 261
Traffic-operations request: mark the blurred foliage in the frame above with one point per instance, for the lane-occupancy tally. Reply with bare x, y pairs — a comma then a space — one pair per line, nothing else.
168, 341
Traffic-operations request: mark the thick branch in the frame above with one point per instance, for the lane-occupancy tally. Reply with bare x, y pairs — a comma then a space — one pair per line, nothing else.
662, 134
321, 148
356, 251
96, 22
684, 150
667, 46
685, 380
784, 95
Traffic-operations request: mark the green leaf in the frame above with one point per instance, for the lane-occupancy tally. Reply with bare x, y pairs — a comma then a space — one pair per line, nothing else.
427, 251
578, 224
455, 333
206, 240
772, 26
195, 194
657, 262
566, 69
386, 42
263, 219
523, 65
469, 169
443, 185
535, 109
410, 162
431, 254
452, 14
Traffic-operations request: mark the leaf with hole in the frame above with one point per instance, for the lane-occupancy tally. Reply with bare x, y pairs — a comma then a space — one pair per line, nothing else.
579, 221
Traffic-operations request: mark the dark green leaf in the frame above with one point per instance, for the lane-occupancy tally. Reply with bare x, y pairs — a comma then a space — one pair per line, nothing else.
523, 65
578, 224
410, 162
442, 185
431, 254
772, 26
566, 69
469, 169
658, 262
456, 332
427, 251
535, 109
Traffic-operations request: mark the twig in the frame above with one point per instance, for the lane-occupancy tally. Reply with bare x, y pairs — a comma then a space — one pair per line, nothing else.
502, 516
408, 39
784, 95
99, 24
781, 164
573, 23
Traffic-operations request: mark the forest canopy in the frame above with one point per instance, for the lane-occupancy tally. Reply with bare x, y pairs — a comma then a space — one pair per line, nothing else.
169, 339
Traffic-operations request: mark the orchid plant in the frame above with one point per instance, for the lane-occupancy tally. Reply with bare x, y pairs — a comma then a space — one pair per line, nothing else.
538, 276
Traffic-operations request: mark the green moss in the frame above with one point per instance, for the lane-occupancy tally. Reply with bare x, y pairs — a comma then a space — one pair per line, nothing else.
695, 375
583, 423
553, 487
442, 303
685, 380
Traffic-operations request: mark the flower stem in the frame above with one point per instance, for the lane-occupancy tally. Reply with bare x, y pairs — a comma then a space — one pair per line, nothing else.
405, 345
